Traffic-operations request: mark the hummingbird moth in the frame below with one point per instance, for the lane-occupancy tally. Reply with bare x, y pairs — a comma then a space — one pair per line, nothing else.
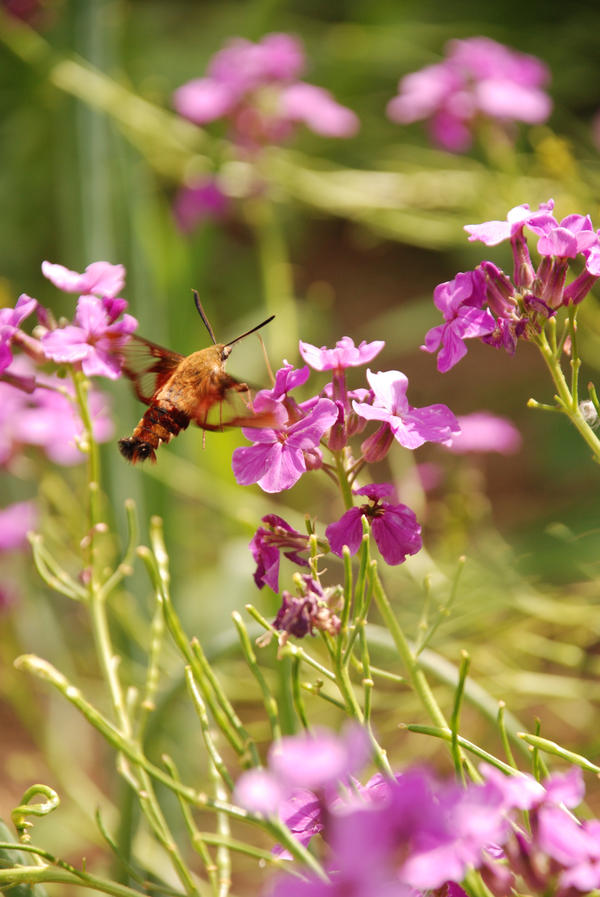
180, 390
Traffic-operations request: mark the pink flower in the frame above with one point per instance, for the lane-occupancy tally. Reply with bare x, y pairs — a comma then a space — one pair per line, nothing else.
316, 761
485, 432
395, 528
47, 419
16, 521
344, 355
199, 201
10, 321
99, 278
278, 457
478, 77
493, 232
256, 86
460, 301
411, 427
94, 339
266, 547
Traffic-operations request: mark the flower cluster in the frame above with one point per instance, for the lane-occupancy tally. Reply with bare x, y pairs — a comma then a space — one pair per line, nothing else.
256, 87
478, 79
326, 422
39, 409
486, 304
410, 833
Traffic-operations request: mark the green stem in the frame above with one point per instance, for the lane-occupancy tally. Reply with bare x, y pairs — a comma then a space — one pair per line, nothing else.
276, 276
411, 663
567, 402
344, 482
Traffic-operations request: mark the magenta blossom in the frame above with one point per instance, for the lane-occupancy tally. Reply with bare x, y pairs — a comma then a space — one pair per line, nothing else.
47, 418
99, 278
493, 232
279, 457
94, 340
299, 615
16, 521
485, 432
256, 86
395, 528
479, 78
266, 547
10, 321
317, 761
198, 201
344, 355
411, 427
460, 301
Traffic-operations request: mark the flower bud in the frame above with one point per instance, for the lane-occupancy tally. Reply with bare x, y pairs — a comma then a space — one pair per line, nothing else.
376, 446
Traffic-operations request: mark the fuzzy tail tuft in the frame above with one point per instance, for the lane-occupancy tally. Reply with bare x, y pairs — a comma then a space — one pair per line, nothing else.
135, 450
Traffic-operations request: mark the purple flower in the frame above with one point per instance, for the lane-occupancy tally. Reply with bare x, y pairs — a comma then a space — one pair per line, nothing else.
277, 459
478, 78
99, 278
10, 321
410, 426
485, 432
302, 813
94, 340
259, 791
395, 528
493, 232
300, 615
267, 544
16, 521
315, 761
460, 301
316, 108
199, 201
319, 759
47, 418
256, 87
344, 355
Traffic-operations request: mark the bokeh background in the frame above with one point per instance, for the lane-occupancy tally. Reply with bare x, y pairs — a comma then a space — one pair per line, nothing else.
363, 229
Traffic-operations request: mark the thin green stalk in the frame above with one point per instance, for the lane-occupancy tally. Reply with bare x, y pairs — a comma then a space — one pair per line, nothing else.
315, 688
276, 275
224, 831
550, 747
64, 874
269, 701
292, 649
52, 573
342, 475
249, 746
197, 840
564, 397
455, 717
297, 694
182, 643
504, 734
417, 676
211, 748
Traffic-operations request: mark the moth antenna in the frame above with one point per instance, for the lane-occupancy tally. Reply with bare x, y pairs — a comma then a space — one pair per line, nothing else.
252, 330
202, 314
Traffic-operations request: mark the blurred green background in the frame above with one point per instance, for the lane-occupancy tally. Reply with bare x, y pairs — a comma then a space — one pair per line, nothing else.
370, 226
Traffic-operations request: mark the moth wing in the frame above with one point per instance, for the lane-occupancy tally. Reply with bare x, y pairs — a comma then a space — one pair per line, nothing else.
227, 403
148, 366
